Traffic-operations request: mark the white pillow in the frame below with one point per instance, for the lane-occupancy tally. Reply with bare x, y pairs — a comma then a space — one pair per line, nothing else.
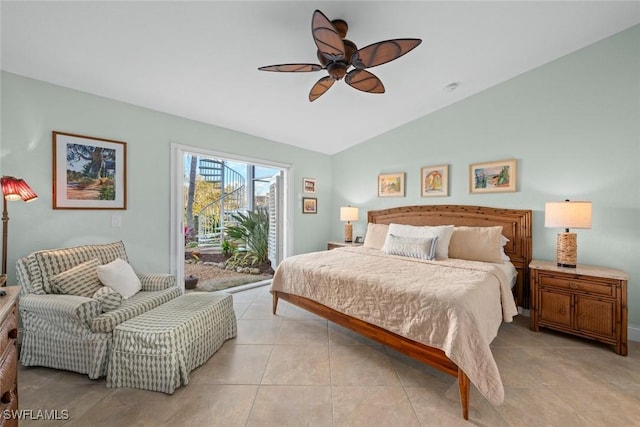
376, 235
413, 247
442, 232
119, 276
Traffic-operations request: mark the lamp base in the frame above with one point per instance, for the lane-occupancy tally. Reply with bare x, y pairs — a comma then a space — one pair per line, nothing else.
567, 250
348, 233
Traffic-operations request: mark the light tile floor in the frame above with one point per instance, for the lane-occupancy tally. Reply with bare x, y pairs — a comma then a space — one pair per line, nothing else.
295, 369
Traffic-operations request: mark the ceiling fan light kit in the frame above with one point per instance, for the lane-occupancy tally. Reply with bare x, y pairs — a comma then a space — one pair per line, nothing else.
343, 60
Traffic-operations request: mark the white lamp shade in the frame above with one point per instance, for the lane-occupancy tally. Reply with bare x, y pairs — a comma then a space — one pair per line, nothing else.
567, 214
348, 213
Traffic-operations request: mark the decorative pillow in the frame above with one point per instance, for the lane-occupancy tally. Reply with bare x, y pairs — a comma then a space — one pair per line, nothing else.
109, 299
477, 244
413, 247
376, 235
81, 280
119, 276
442, 232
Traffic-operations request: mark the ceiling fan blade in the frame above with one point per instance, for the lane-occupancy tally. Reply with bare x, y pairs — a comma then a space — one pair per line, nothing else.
292, 68
364, 81
326, 37
383, 52
320, 88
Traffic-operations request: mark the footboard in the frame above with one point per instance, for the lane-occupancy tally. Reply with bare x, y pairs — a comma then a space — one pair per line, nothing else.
431, 356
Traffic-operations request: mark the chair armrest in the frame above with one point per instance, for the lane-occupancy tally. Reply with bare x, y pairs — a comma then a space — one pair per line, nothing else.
61, 308
156, 281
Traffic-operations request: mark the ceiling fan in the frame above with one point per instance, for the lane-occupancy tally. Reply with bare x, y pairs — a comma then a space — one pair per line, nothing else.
342, 58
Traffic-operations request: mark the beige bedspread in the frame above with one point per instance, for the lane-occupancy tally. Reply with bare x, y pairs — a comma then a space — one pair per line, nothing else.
455, 305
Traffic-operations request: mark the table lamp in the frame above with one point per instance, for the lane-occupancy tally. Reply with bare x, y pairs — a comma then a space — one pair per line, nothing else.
348, 214
567, 215
12, 189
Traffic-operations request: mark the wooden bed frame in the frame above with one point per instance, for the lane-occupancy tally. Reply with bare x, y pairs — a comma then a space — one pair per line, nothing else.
516, 225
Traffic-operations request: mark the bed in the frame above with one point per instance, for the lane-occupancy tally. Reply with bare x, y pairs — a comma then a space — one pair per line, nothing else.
330, 285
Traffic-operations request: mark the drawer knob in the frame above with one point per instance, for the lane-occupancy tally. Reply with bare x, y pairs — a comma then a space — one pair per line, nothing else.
13, 333
573, 285
563, 311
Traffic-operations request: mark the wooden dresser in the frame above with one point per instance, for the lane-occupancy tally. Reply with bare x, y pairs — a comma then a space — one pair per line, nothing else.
8, 354
587, 301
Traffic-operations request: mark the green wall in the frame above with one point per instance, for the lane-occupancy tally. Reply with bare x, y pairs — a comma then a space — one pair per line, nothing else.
32, 109
574, 127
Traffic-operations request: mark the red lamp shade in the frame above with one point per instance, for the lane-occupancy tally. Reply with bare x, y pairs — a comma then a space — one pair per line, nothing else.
16, 189
12, 189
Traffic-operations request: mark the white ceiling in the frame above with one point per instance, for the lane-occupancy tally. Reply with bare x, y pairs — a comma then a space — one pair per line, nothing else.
199, 60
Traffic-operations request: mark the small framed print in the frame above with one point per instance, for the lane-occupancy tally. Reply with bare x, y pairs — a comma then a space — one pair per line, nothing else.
391, 185
88, 172
309, 205
493, 177
309, 185
434, 181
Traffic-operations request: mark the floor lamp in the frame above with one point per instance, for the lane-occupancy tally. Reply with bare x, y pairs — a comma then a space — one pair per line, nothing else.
12, 189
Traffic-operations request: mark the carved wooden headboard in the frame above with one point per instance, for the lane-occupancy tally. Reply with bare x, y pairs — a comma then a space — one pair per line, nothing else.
516, 226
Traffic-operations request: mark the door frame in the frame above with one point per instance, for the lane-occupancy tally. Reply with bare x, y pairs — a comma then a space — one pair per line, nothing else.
177, 201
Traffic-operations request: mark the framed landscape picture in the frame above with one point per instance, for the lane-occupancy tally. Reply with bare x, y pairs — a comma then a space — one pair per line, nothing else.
88, 172
391, 185
434, 181
493, 177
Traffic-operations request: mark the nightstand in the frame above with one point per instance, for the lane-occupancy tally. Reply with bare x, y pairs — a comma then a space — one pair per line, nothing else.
333, 245
586, 301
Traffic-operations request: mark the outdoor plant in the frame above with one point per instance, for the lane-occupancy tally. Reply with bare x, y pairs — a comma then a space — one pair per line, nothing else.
228, 247
189, 234
252, 228
243, 259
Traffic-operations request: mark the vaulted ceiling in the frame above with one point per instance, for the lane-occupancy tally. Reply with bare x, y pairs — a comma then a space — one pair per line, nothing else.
200, 59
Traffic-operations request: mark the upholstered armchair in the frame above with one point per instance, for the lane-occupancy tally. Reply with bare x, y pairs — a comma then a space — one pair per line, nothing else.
68, 316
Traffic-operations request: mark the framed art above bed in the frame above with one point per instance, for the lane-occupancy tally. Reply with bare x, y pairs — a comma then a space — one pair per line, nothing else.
434, 181
493, 177
391, 185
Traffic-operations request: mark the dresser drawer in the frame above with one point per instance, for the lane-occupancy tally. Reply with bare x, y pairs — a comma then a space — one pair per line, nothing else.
8, 331
9, 402
603, 288
8, 370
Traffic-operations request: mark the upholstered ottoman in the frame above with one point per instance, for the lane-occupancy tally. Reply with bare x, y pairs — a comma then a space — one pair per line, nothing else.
158, 349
